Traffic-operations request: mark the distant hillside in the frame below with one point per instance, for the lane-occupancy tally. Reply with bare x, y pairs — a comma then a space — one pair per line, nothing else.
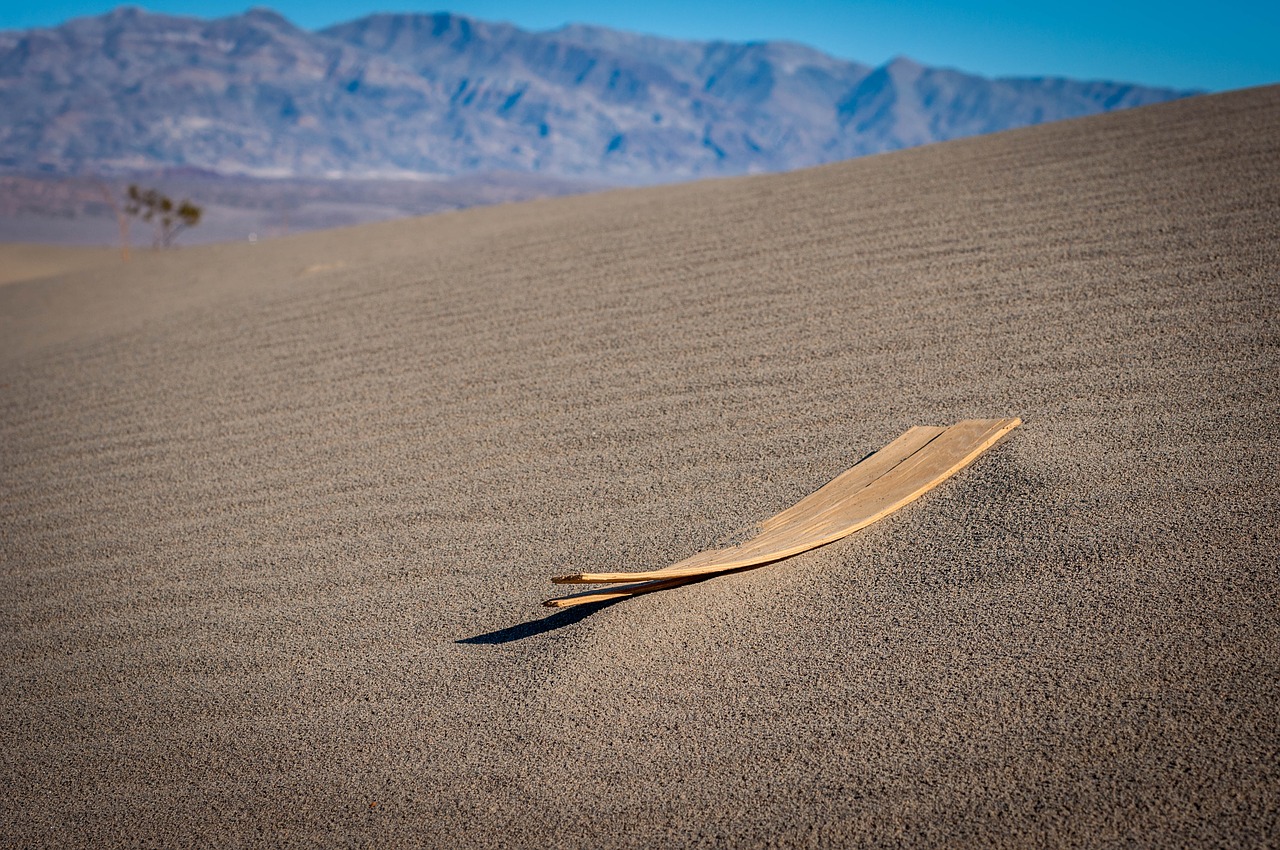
444, 96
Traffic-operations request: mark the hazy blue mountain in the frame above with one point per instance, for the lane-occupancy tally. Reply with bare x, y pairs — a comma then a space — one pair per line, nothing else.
443, 95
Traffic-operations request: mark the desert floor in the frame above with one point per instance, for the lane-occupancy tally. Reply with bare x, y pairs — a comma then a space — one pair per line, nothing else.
276, 519
22, 261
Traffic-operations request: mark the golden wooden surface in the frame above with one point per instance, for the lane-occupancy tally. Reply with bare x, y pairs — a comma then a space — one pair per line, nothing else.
903, 471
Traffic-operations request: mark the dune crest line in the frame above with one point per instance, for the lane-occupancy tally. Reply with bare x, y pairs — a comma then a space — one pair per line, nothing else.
913, 464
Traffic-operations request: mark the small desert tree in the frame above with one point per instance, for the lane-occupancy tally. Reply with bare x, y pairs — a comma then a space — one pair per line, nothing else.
169, 218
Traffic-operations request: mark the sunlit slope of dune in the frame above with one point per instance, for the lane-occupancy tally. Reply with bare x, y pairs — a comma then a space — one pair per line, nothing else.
276, 518
25, 261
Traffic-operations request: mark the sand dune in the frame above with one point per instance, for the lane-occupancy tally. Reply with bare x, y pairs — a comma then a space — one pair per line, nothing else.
26, 261
277, 518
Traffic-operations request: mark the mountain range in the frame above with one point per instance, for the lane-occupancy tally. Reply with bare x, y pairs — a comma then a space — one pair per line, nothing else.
444, 96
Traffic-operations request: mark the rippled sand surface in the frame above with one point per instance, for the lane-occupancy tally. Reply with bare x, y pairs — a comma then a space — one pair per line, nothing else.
276, 519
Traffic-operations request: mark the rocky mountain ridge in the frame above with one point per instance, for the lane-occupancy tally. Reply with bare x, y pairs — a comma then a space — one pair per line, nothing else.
434, 96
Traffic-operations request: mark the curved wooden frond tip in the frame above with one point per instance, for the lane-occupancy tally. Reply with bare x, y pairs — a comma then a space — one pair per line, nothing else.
903, 471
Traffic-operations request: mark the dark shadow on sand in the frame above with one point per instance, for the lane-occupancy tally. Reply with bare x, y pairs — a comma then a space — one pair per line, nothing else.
558, 620
569, 616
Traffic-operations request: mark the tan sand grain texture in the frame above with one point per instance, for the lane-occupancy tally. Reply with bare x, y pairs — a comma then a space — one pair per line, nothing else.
276, 519
24, 261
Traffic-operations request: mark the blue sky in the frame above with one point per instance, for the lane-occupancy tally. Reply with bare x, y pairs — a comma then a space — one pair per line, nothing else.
1185, 45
